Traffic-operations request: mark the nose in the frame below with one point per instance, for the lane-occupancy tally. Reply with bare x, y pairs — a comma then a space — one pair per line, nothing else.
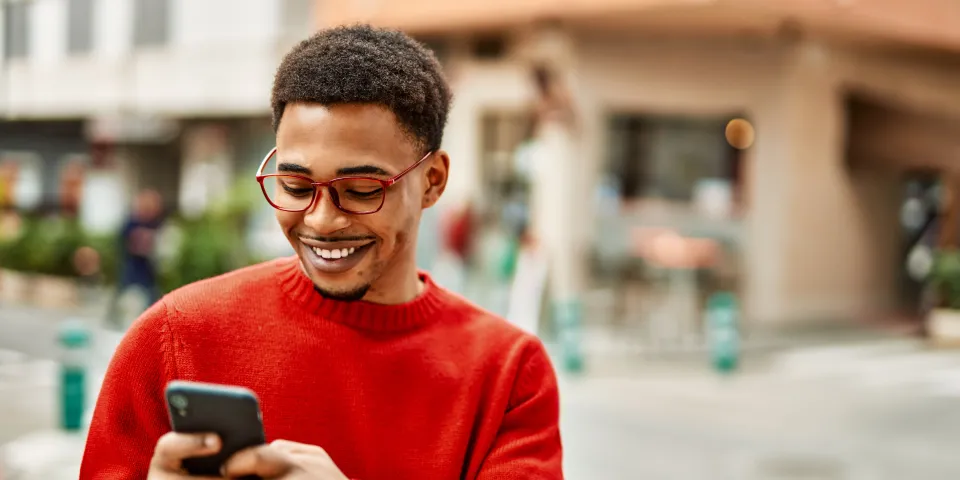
323, 216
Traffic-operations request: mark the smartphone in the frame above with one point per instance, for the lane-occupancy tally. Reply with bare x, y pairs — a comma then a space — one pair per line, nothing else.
231, 412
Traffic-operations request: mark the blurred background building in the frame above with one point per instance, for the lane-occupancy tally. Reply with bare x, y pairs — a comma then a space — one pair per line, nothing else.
843, 109
849, 101
168, 95
803, 155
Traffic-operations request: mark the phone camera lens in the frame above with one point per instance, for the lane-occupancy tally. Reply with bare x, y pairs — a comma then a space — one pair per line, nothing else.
179, 402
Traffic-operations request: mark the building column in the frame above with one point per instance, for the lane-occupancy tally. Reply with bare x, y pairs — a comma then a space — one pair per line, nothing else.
558, 196
818, 233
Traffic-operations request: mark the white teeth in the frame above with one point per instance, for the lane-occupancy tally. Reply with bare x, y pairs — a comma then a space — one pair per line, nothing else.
333, 254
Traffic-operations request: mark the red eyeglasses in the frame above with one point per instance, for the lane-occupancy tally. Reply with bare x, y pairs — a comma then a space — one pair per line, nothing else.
354, 195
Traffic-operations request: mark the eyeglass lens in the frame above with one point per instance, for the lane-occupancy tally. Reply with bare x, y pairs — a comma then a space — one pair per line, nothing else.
352, 195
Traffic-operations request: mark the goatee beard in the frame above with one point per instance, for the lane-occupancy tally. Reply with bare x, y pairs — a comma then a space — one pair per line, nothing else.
343, 296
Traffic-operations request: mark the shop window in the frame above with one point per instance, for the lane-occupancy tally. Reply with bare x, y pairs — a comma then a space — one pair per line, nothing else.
489, 47
22, 179
674, 159
16, 29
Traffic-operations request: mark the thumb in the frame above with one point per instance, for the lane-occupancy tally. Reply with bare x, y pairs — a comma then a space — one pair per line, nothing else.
263, 461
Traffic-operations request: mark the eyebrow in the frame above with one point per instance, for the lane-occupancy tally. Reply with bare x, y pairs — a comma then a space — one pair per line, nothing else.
294, 168
345, 171
362, 170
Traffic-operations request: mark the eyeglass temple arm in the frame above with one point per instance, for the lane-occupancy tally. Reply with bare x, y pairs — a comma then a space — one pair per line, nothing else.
266, 159
409, 169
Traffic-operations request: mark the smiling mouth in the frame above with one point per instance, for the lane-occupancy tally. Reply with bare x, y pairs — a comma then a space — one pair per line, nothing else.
337, 260
334, 254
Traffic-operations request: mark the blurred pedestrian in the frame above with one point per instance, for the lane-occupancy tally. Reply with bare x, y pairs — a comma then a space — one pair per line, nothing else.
137, 249
459, 232
364, 367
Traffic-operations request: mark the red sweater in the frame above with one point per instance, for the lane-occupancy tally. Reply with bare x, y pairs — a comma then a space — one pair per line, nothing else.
432, 389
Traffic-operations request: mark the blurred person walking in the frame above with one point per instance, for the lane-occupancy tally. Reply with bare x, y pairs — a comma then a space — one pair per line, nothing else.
365, 368
137, 248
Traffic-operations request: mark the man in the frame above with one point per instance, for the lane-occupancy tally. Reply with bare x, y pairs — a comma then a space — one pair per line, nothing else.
137, 246
364, 367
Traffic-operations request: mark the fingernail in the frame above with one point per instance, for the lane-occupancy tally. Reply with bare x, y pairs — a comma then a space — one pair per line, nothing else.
210, 441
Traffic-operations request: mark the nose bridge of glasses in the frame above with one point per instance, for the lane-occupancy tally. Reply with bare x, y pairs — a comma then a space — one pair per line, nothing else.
324, 215
324, 197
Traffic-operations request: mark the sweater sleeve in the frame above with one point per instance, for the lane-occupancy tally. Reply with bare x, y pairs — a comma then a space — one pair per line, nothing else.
130, 414
528, 444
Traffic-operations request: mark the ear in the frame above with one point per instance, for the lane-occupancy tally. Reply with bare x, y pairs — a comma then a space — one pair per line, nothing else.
435, 178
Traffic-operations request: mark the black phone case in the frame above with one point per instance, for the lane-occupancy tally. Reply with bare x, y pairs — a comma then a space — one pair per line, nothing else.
231, 412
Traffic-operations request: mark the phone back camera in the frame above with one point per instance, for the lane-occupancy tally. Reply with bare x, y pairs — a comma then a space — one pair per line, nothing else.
179, 402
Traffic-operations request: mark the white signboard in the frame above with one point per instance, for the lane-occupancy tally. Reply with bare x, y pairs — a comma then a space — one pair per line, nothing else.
526, 293
102, 208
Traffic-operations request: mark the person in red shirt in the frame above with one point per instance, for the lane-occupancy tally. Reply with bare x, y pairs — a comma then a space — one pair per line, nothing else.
365, 368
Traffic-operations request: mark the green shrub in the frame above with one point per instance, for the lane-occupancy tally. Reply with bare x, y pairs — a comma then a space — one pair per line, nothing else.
945, 278
211, 244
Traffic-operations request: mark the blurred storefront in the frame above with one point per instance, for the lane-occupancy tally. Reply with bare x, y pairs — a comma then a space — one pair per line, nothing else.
36, 155
101, 99
795, 207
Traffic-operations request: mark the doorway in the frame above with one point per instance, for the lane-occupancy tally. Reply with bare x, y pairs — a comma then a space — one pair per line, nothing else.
919, 215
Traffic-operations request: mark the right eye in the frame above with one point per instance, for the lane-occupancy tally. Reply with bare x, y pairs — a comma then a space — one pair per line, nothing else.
296, 190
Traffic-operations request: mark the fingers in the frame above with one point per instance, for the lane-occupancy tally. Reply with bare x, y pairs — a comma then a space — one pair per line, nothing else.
264, 461
294, 447
173, 447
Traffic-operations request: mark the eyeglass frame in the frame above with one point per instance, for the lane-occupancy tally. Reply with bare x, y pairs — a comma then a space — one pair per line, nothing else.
334, 197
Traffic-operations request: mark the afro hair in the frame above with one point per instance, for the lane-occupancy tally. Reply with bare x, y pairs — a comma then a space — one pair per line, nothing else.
362, 64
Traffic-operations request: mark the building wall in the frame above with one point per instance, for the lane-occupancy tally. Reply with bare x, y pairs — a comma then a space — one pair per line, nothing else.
217, 59
819, 239
929, 23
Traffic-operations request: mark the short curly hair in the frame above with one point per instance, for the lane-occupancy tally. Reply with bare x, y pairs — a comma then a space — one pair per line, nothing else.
362, 64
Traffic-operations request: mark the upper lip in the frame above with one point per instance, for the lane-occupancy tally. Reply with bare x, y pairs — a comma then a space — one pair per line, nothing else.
336, 245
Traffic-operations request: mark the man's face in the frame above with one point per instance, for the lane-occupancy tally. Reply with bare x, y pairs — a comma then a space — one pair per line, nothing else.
149, 205
356, 139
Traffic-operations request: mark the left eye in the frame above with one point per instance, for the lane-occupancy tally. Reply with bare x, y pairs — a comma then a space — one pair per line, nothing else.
367, 193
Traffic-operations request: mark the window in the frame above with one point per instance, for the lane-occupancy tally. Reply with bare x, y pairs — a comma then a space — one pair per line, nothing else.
440, 46
16, 20
151, 22
670, 158
489, 47
79, 26
24, 178
505, 165
297, 18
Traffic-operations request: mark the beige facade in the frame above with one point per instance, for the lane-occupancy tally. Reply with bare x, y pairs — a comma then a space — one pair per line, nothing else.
929, 23
820, 237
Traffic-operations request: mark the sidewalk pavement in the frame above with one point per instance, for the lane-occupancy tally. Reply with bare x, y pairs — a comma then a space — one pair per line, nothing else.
32, 446
631, 414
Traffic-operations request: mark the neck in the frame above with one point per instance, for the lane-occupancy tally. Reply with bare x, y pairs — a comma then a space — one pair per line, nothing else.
396, 286
384, 313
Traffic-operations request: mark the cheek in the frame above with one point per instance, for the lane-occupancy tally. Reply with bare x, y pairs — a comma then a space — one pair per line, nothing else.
287, 220
396, 224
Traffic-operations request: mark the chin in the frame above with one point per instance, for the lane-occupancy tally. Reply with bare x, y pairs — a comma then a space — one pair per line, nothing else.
342, 294
346, 286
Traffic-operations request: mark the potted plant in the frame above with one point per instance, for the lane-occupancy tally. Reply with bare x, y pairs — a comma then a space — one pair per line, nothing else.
943, 322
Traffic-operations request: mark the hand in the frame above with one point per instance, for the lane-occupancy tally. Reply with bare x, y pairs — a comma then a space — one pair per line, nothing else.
283, 460
173, 448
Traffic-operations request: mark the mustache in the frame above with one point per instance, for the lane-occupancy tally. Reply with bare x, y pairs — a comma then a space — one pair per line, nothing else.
340, 238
